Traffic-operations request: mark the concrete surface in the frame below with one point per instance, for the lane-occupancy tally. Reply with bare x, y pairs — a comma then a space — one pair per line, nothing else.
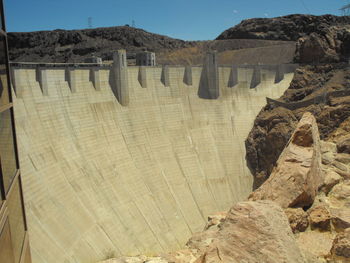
101, 179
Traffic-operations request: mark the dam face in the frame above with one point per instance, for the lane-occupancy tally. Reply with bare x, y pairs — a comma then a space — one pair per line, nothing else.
101, 179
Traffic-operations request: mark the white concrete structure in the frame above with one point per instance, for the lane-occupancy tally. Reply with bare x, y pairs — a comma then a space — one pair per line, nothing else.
101, 179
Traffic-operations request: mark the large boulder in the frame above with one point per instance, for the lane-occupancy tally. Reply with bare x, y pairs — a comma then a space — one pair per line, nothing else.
298, 175
298, 219
318, 48
343, 146
341, 246
253, 232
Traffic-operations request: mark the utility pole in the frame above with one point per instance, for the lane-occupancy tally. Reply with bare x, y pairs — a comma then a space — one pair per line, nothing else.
90, 22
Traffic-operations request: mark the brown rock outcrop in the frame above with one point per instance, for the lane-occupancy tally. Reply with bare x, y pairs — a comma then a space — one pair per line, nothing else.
330, 180
254, 232
343, 146
315, 244
298, 175
274, 125
320, 217
215, 220
318, 48
298, 219
341, 246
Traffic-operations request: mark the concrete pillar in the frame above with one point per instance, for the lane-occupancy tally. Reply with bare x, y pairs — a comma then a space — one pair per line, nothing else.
209, 82
14, 79
142, 77
69, 75
95, 78
165, 78
279, 73
119, 77
233, 79
41, 77
188, 76
256, 78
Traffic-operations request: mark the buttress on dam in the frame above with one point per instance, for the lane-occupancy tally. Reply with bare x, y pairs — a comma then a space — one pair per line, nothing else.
103, 179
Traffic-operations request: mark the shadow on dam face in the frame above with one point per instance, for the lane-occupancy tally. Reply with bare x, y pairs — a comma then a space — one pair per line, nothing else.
99, 177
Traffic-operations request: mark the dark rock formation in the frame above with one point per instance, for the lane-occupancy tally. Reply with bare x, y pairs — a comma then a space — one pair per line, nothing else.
294, 182
274, 125
75, 45
290, 28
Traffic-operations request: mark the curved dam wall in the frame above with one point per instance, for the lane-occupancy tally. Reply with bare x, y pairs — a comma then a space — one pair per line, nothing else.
101, 179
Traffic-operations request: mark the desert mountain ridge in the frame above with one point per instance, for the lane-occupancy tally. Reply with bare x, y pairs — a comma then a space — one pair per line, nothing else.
76, 45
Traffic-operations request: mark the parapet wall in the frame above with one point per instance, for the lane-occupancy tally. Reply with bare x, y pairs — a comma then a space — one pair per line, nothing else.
101, 179
323, 98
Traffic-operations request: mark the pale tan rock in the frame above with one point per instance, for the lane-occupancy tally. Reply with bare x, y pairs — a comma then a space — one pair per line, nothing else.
320, 217
341, 218
343, 158
345, 175
215, 220
316, 244
202, 240
298, 175
254, 232
339, 196
341, 166
298, 219
328, 147
330, 180
182, 256
136, 259
328, 158
341, 245
343, 145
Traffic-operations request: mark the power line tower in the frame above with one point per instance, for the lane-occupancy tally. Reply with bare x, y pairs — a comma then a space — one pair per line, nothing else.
133, 23
90, 22
345, 10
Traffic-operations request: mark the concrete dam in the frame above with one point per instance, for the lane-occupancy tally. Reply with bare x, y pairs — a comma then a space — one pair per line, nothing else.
105, 176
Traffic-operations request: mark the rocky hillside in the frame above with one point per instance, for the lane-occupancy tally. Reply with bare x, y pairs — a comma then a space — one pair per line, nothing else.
288, 28
75, 45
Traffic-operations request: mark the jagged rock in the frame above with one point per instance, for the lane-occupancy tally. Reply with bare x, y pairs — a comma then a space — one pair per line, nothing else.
265, 143
75, 45
274, 125
340, 194
343, 146
289, 27
328, 158
215, 220
330, 180
320, 217
182, 256
315, 244
341, 245
254, 232
341, 218
298, 219
136, 259
328, 147
340, 166
298, 175
343, 158
201, 240
317, 48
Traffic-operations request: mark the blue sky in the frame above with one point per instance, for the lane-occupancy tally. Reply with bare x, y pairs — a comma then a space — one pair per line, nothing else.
184, 19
